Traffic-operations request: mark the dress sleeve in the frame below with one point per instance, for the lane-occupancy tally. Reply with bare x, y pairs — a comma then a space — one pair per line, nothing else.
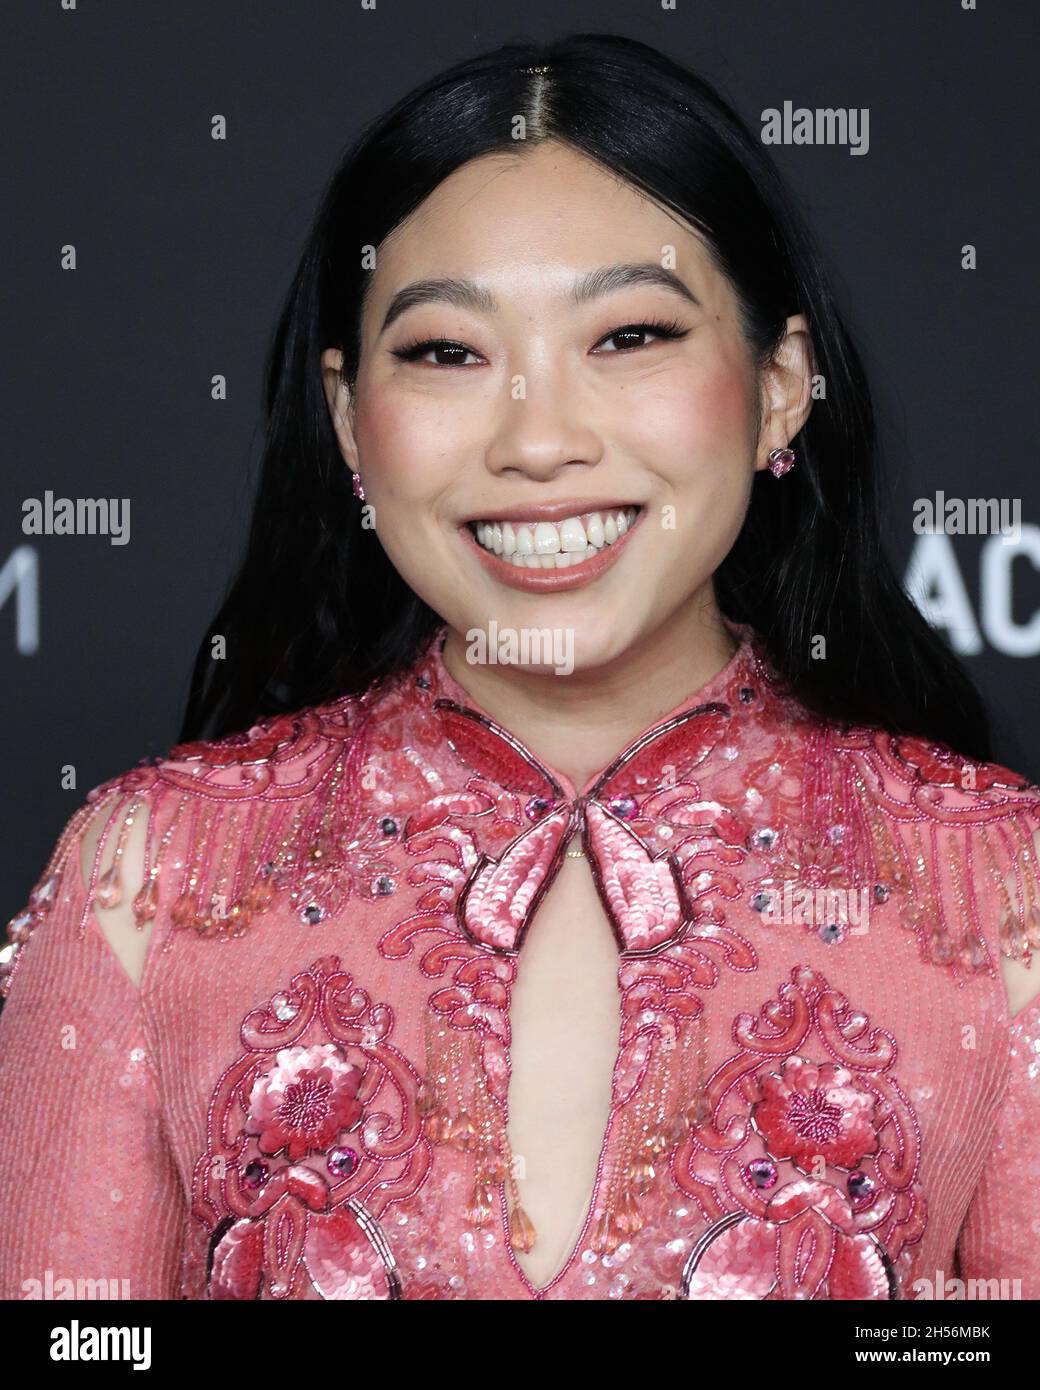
89, 1195
1000, 1238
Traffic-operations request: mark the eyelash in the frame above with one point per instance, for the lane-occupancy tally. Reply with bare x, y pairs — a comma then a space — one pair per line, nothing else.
669, 330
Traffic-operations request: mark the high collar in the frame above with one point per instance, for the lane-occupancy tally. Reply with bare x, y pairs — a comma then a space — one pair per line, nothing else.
747, 685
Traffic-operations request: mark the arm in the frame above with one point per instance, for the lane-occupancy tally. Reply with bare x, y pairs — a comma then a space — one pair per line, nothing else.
1000, 1239
88, 1191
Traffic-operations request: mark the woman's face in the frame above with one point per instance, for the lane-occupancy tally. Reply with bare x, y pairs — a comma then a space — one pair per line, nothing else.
555, 412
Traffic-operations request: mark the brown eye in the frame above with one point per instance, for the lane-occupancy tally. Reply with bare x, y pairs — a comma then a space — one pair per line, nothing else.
444, 353
636, 335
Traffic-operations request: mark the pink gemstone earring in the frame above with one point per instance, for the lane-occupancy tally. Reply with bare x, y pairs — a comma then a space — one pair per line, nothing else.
781, 461
359, 491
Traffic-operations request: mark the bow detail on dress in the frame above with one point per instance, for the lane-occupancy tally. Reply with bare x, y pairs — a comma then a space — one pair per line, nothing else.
642, 889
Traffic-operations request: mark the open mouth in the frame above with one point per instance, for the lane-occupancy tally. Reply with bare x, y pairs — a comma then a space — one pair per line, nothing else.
553, 545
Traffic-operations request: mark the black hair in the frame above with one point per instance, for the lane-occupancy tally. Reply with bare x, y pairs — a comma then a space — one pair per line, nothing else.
316, 610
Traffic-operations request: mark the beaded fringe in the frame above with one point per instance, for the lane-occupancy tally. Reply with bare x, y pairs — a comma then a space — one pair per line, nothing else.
940, 882
459, 1111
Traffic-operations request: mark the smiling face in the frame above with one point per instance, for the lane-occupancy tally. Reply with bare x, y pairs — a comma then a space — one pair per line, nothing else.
555, 415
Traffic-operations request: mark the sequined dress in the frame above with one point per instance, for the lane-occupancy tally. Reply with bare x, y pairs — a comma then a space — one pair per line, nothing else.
818, 1090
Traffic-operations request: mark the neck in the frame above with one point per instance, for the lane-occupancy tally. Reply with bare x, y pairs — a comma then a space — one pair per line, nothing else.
579, 722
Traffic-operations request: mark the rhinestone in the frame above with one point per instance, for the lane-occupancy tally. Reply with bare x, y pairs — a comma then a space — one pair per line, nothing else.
312, 913
284, 1011
764, 838
729, 752
835, 834
624, 807
388, 825
881, 892
342, 1162
761, 900
423, 682
761, 1173
860, 1186
255, 1174
384, 884
538, 806
745, 694
832, 932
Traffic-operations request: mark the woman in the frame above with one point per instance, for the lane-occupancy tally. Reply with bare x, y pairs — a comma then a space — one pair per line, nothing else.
610, 894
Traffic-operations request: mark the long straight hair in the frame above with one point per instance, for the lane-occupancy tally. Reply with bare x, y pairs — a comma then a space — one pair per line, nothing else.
316, 610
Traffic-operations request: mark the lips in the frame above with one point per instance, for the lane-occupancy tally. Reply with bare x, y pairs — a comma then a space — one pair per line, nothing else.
542, 553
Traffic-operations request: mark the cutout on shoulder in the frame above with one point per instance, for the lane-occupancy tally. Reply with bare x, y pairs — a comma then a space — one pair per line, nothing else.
1021, 977
128, 941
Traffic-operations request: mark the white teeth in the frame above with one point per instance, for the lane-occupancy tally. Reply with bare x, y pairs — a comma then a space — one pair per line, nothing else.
572, 535
546, 538
554, 545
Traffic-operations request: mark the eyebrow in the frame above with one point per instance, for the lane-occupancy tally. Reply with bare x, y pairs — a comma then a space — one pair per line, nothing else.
467, 294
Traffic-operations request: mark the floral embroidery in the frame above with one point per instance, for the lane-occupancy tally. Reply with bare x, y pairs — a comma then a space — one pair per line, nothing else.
811, 1112
806, 1246
309, 1143
304, 1101
759, 1163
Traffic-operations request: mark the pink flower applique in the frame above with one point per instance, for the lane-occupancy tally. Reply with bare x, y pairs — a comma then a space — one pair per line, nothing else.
304, 1101
810, 1111
807, 1246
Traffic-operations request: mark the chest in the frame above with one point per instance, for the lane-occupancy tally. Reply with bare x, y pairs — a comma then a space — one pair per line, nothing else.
629, 1106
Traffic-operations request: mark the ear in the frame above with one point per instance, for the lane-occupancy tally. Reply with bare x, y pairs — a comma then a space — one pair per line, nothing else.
786, 390
341, 405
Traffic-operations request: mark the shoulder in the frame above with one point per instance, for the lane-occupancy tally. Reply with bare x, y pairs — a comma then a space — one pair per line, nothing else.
114, 864
973, 827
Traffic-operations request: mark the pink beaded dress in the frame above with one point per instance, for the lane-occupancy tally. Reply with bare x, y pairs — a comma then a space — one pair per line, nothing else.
818, 1090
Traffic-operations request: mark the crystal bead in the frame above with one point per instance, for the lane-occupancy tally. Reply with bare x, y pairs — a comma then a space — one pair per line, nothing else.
183, 913
832, 932
538, 806
255, 1174
109, 890
283, 1008
44, 895
881, 892
388, 825
312, 913
624, 807
20, 928
761, 1173
341, 1162
860, 1186
764, 838
521, 1231
146, 902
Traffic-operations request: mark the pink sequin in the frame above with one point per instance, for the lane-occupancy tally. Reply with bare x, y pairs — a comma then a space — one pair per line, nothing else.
339, 901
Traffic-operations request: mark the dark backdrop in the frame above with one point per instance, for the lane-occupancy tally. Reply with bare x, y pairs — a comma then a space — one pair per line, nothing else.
185, 246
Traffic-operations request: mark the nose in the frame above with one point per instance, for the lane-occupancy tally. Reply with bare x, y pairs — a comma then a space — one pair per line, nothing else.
543, 433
